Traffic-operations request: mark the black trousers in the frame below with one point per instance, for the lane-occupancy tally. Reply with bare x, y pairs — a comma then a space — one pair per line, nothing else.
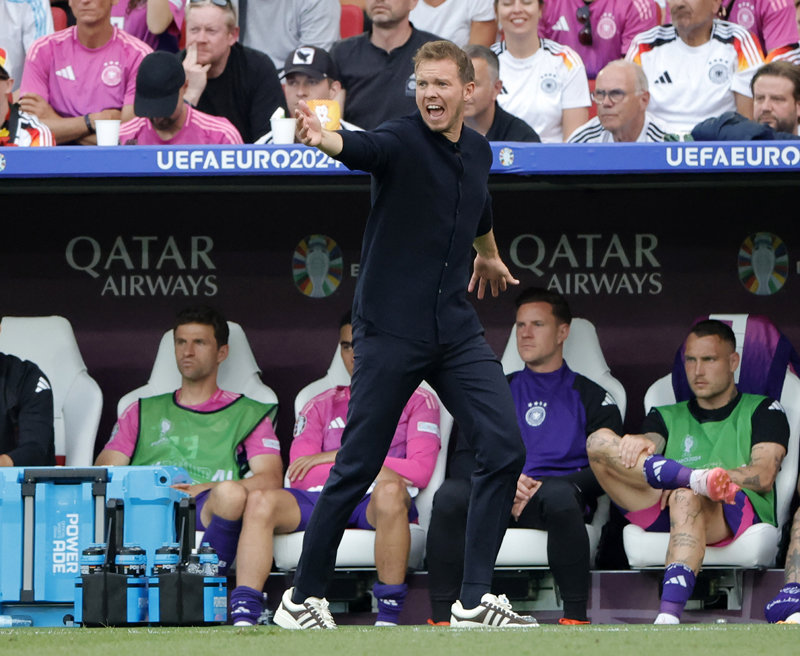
558, 507
469, 381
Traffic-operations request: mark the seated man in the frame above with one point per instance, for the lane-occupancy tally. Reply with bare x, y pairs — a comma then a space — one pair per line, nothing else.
772, 22
387, 508
785, 607
81, 74
482, 112
622, 98
557, 491
226, 78
699, 66
165, 119
26, 415
215, 435
17, 128
713, 445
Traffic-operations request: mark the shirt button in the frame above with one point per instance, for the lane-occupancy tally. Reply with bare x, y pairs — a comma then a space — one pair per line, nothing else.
440, 291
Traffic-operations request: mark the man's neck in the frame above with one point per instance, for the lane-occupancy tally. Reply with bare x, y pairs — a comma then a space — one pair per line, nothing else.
482, 122
554, 364
719, 401
629, 133
194, 393
392, 37
95, 35
696, 36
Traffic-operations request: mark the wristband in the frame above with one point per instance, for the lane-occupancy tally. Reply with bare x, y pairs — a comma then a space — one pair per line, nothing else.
88, 122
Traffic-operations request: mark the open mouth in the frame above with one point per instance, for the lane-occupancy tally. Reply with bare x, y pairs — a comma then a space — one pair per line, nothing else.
434, 111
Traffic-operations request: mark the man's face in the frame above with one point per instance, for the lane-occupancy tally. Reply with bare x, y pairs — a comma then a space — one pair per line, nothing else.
486, 90
388, 13
617, 116
89, 12
196, 351
709, 364
441, 96
207, 28
300, 86
518, 16
688, 15
540, 337
346, 347
774, 103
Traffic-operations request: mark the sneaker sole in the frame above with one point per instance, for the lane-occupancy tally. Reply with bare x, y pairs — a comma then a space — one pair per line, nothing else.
243, 623
285, 620
468, 624
720, 487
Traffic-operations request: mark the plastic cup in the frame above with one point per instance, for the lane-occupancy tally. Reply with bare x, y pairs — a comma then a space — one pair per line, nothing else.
107, 131
283, 130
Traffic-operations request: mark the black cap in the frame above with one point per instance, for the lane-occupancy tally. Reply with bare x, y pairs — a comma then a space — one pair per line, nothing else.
158, 83
312, 61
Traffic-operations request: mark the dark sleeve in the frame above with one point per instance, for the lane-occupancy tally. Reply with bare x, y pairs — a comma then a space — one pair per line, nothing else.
369, 151
601, 408
654, 423
34, 410
266, 93
769, 424
486, 222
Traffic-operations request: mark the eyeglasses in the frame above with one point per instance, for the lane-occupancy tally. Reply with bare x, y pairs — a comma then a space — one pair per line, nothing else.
585, 19
219, 3
615, 96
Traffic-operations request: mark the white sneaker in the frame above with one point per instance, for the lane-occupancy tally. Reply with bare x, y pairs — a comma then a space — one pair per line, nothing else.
666, 618
313, 613
492, 611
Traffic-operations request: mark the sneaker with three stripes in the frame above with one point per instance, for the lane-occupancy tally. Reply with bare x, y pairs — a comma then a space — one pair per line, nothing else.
313, 613
493, 611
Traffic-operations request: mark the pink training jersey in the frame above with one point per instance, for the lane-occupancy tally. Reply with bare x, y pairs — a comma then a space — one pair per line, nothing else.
614, 24
135, 23
76, 80
412, 453
200, 128
773, 22
262, 441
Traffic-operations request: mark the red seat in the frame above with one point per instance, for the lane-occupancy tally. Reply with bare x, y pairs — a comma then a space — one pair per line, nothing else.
592, 105
59, 18
352, 21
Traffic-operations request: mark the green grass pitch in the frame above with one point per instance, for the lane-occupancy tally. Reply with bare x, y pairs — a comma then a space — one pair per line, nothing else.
609, 640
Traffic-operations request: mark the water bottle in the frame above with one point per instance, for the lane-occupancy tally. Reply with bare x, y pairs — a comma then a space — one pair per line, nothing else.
93, 559
167, 559
209, 560
13, 621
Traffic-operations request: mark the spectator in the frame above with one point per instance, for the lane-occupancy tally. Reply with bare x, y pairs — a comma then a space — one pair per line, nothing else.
600, 31
772, 22
481, 111
81, 74
277, 27
386, 508
16, 127
556, 491
164, 116
21, 23
697, 67
376, 67
215, 435
26, 415
544, 83
622, 97
156, 22
226, 78
459, 21
734, 442
776, 107
310, 74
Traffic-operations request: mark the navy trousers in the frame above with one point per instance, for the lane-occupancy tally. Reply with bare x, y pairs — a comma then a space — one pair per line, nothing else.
470, 383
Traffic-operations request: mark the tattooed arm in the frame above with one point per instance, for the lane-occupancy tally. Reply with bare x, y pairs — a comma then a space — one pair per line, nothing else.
765, 463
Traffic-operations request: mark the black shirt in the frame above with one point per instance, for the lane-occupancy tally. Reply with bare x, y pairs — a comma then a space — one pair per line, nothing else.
247, 92
429, 202
26, 413
379, 85
507, 127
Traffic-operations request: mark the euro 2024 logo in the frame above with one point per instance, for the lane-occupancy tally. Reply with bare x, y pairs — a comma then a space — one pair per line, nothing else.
763, 263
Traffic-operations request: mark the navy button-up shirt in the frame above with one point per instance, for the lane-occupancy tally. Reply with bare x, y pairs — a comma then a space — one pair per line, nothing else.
429, 202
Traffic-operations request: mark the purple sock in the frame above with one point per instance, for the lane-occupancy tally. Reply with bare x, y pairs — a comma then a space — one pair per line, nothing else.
223, 535
678, 586
245, 604
786, 602
665, 474
390, 600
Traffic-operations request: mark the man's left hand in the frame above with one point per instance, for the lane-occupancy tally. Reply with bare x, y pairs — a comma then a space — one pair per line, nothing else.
493, 271
193, 489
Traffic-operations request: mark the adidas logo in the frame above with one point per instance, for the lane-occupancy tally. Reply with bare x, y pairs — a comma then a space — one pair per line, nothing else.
561, 25
42, 385
389, 602
336, 423
664, 78
67, 73
657, 469
609, 400
677, 580
777, 406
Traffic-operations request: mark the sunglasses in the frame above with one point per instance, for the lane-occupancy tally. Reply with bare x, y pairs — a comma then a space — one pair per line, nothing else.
585, 19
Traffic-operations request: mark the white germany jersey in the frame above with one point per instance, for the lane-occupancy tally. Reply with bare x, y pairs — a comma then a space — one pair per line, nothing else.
593, 132
538, 88
689, 85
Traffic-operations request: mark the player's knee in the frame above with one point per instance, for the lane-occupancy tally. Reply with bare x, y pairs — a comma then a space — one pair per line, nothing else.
558, 496
600, 442
390, 499
451, 499
230, 496
262, 507
683, 501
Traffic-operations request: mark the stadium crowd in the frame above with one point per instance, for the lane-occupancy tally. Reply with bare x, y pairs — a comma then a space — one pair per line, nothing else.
558, 65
